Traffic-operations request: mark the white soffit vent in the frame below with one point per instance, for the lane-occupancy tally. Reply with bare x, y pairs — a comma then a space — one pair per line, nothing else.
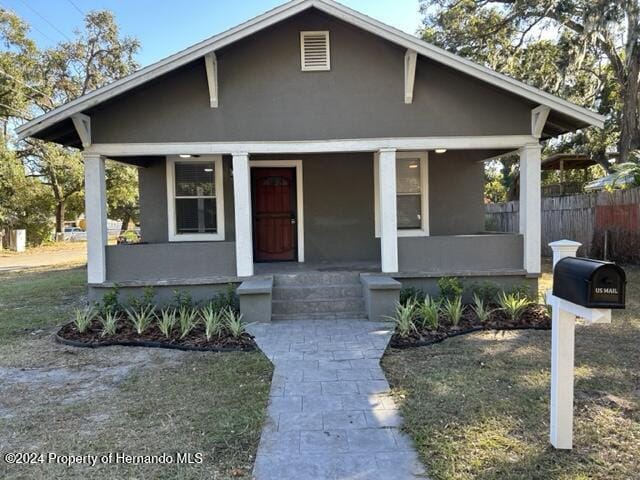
314, 51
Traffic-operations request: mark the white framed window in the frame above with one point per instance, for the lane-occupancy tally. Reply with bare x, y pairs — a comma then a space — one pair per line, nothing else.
195, 198
412, 194
315, 52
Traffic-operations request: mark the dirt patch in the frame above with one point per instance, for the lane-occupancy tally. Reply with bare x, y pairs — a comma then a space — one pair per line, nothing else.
67, 377
126, 335
535, 317
55, 398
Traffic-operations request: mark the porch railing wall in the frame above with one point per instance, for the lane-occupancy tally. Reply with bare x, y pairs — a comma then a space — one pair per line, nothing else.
597, 220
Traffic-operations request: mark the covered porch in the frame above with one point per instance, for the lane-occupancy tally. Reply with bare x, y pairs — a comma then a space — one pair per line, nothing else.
402, 207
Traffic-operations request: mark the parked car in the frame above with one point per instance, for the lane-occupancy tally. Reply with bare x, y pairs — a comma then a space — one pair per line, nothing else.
74, 234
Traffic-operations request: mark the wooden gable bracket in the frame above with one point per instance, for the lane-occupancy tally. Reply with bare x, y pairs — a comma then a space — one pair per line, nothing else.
410, 59
211, 64
82, 123
539, 117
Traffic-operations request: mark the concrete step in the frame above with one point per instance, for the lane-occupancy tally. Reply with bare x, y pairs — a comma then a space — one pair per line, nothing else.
325, 305
320, 316
309, 279
316, 292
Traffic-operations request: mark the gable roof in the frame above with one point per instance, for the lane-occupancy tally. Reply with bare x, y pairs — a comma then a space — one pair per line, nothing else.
582, 115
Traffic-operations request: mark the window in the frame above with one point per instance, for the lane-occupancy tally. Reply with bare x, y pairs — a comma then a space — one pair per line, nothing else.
195, 199
409, 197
411, 194
314, 51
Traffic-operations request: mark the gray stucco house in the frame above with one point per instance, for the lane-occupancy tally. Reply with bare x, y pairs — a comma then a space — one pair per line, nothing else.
316, 147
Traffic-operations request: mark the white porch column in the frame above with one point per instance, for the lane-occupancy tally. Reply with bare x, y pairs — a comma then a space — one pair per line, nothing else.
530, 205
95, 210
388, 212
242, 207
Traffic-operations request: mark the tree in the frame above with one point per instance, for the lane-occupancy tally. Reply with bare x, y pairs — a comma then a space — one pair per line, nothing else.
122, 194
96, 56
592, 58
24, 201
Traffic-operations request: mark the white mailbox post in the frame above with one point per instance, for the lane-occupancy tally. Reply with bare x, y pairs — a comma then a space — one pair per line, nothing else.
563, 325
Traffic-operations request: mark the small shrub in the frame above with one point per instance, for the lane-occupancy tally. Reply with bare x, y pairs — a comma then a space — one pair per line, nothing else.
147, 300
187, 318
148, 296
481, 308
83, 318
110, 301
513, 305
450, 288
181, 300
429, 312
453, 308
140, 318
166, 321
486, 291
411, 294
109, 323
404, 318
226, 300
523, 290
233, 323
214, 321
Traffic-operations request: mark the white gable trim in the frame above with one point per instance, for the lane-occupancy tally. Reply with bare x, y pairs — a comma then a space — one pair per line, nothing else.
211, 65
82, 123
410, 60
539, 117
506, 142
288, 10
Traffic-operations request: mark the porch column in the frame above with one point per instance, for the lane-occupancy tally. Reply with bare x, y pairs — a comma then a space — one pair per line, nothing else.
530, 205
388, 213
242, 207
95, 211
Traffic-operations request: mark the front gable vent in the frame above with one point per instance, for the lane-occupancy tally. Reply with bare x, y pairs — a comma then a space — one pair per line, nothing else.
314, 51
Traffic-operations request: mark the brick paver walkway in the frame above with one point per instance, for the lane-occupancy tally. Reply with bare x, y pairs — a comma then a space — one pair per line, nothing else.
330, 415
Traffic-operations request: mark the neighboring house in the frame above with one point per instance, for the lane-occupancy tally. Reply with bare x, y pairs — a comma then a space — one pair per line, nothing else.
561, 162
612, 180
311, 134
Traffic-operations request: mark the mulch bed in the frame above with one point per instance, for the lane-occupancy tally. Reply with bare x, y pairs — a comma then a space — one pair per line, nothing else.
152, 337
534, 318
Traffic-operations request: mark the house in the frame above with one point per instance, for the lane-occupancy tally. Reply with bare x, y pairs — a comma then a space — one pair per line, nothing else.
561, 162
317, 147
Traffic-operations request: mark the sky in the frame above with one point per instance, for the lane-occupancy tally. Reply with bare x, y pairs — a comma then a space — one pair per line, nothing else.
167, 26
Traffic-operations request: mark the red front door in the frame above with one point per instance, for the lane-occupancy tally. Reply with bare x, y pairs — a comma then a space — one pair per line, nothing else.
274, 214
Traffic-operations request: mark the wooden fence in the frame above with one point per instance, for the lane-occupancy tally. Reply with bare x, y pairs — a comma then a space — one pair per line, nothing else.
597, 220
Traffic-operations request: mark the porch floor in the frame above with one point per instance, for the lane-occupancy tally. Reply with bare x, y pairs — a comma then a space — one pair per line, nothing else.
312, 267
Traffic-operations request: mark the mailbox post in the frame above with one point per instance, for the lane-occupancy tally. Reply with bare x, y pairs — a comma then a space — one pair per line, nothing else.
583, 288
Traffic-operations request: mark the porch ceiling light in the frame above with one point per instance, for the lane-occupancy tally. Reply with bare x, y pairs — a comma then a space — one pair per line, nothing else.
441, 150
185, 156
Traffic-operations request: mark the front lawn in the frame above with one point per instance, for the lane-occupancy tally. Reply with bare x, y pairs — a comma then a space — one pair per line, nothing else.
134, 401
477, 406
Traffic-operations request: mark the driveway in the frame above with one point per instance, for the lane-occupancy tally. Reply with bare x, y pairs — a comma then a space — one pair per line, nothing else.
46, 256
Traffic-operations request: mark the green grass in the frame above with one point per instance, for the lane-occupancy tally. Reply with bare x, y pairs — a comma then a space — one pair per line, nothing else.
477, 406
132, 400
39, 298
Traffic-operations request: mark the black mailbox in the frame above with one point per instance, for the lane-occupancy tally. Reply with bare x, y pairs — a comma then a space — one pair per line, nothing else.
590, 283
